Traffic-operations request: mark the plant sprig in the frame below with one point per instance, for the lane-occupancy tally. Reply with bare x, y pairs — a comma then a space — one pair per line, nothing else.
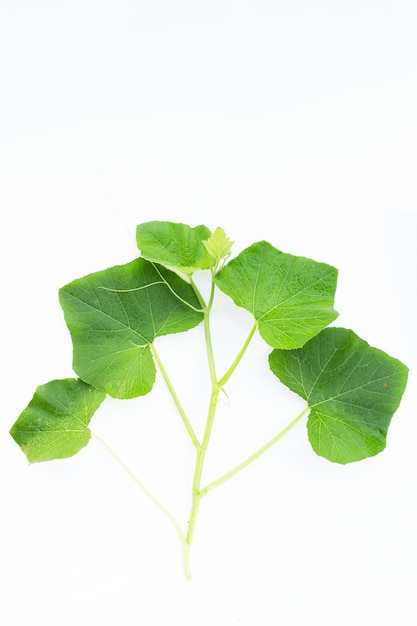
116, 316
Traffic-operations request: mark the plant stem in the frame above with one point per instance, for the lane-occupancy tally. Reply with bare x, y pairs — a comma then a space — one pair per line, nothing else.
202, 449
198, 470
254, 456
145, 490
207, 333
177, 402
237, 360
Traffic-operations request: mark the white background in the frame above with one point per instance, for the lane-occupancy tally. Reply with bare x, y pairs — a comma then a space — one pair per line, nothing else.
293, 122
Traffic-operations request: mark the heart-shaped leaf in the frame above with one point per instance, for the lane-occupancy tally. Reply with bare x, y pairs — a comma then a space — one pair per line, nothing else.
114, 315
54, 425
291, 297
352, 389
173, 245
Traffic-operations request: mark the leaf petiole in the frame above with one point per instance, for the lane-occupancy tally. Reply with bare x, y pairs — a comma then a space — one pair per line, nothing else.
254, 456
177, 402
237, 360
144, 489
200, 298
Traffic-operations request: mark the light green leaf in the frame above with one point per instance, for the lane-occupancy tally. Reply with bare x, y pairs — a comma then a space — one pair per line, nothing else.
352, 389
218, 246
177, 246
114, 315
54, 425
291, 297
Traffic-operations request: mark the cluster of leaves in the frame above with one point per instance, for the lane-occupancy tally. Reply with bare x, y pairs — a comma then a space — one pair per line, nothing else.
115, 317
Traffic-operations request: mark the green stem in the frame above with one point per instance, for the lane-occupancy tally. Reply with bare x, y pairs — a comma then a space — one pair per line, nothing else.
237, 360
177, 402
145, 490
198, 294
207, 333
201, 453
254, 456
202, 449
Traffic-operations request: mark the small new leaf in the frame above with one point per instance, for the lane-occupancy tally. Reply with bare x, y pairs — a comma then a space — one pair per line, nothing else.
54, 425
219, 247
352, 390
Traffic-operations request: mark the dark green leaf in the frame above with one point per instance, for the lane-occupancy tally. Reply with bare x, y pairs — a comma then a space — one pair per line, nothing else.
291, 297
352, 389
114, 315
177, 246
54, 425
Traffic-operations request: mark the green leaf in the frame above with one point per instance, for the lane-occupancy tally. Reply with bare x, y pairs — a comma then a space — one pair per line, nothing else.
218, 245
177, 246
352, 389
114, 315
291, 297
54, 425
